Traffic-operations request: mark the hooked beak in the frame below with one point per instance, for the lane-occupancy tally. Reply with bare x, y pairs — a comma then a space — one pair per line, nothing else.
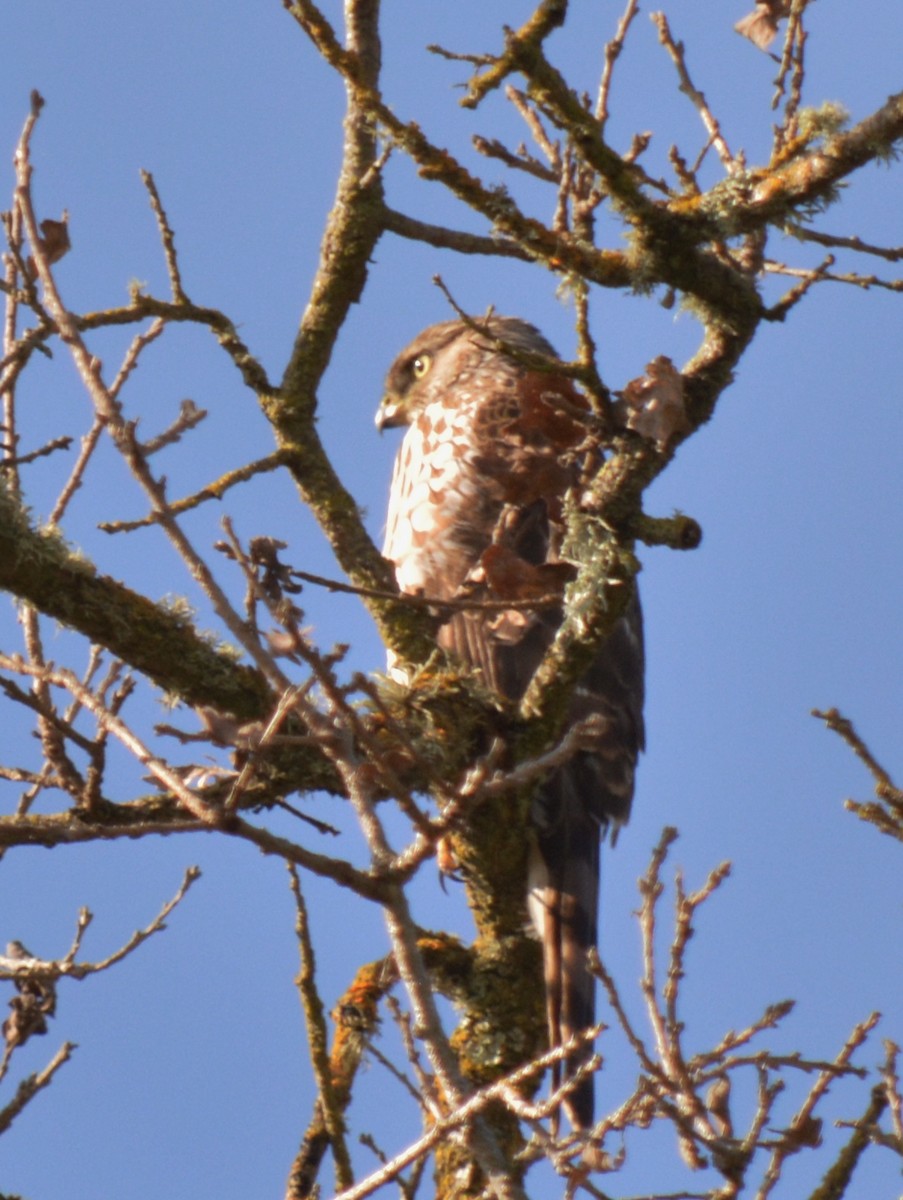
387, 415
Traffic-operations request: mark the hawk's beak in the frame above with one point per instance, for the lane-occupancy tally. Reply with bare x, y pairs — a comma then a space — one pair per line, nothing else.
387, 414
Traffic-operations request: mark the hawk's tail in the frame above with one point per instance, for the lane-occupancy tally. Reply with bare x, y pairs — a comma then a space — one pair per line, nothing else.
564, 894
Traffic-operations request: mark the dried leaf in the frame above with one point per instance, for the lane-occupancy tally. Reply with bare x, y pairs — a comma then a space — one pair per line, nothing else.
55, 238
54, 243
221, 729
761, 25
653, 406
501, 574
510, 577
806, 1132
283, 643
718, 1103
34, 1003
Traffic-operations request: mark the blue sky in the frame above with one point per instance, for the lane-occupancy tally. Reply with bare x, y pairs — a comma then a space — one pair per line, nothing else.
191, 1074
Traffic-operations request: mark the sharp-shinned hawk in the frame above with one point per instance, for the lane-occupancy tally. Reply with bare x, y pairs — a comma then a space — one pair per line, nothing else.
493, 453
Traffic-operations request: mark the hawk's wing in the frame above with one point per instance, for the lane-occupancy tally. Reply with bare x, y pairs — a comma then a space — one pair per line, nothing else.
477, 507
572, 808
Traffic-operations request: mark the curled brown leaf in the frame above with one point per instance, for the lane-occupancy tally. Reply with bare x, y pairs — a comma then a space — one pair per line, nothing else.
761, 25
653, 406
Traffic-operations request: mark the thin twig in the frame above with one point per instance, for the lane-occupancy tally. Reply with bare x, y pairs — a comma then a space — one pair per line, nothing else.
676, 50
818, 275
451, 239
167, 237
612, 53
432, 602
29, 1087
211, 491
791, 64
315, 1020
123, 433
843, 726
852, 242
74, 482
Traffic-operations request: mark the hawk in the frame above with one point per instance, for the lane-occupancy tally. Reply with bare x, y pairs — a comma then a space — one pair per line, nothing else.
493, 450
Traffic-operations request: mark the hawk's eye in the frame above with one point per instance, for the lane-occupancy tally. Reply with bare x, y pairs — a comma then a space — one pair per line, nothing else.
421, 365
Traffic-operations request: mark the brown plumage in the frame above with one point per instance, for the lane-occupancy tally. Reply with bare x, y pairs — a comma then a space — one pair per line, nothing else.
477, 504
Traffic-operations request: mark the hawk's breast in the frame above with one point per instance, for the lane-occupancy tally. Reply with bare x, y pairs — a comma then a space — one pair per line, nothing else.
436, 489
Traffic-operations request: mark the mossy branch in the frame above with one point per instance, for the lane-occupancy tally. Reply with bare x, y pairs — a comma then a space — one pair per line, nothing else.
160, 643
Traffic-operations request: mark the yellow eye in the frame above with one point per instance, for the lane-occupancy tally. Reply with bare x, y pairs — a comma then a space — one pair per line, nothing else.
421, 365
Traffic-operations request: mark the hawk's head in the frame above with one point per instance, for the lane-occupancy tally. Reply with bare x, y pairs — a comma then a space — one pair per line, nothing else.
438, 360
408, 384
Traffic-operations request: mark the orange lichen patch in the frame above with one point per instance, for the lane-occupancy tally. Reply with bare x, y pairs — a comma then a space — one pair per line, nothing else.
356, 1016
768, 189
446, 859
